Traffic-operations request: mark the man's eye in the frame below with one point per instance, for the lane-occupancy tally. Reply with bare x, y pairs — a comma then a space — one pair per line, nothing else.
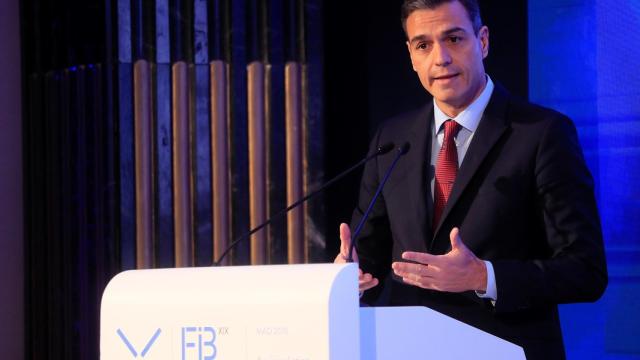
455, 39
422, 46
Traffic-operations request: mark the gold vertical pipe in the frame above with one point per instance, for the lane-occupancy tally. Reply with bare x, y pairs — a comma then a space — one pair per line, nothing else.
257, 161
294, 158
182, 208
268, 156
220, 159
142, 104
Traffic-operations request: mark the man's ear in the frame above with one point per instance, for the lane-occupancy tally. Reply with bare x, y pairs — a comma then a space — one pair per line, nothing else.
483, 35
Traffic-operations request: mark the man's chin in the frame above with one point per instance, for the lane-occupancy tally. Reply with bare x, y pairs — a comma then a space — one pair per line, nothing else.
446, 97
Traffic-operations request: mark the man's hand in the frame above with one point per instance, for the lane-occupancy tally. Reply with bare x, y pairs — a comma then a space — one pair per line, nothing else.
457, 271
365, 281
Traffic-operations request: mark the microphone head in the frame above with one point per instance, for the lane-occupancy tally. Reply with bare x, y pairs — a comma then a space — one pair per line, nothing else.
385, 148
404, 148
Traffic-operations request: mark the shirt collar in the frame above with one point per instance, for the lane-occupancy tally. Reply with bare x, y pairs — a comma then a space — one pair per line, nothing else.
470, 117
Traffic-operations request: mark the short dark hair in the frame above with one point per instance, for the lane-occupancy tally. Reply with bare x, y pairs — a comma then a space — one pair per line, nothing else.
472, 7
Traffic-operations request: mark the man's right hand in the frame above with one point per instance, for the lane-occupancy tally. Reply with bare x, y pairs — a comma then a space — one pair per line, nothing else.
365, 280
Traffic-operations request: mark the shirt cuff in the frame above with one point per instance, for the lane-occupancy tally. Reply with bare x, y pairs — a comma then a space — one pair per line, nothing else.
492, 290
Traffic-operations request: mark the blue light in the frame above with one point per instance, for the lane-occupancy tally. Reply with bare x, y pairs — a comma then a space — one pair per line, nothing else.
584, 59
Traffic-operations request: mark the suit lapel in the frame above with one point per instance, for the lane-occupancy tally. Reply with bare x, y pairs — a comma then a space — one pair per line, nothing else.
419, 137
490, 129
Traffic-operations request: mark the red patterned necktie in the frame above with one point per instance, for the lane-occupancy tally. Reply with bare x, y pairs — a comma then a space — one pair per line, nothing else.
446, 170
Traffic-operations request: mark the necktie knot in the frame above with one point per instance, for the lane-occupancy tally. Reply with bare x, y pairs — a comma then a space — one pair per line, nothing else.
451, 128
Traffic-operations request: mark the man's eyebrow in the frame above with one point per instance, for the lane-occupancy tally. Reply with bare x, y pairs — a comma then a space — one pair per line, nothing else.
453, 30
447, 32
418, 38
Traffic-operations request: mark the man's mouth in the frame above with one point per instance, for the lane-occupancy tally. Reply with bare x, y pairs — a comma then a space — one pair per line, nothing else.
445, 77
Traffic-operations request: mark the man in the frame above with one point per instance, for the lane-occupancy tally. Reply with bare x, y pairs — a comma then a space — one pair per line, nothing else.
490, 218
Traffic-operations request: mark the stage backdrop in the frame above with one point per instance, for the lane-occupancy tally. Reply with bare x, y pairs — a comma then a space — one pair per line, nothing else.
156, 132
584, 59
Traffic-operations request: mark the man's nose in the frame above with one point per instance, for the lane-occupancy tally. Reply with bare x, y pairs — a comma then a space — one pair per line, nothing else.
441, 55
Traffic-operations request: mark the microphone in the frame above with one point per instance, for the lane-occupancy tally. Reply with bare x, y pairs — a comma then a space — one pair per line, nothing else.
400, 151
383, 149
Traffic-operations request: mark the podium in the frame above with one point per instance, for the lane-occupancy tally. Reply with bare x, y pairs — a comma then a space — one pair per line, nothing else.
274, 312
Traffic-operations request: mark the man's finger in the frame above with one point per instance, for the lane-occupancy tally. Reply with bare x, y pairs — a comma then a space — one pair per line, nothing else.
345, 238
456, 240
366, 285
422, 258
425, 283
366, 281
345, 242
405, 267
414, 270
365, 277
411, 281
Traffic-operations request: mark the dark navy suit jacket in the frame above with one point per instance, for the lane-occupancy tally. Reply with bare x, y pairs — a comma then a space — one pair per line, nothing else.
523, 199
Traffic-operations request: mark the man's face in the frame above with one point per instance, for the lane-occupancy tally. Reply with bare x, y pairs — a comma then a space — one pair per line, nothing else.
447, 55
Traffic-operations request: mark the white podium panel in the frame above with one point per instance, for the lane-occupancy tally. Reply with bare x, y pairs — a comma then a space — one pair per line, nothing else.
420, 333
279, 312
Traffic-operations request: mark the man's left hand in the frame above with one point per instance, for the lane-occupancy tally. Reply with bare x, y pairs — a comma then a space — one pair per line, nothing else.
457, 271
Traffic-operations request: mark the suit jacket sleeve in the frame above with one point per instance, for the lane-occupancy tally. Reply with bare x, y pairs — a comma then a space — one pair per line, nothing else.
576, 269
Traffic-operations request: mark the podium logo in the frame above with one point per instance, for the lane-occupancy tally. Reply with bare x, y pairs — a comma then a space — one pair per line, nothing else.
198, 343
132, 349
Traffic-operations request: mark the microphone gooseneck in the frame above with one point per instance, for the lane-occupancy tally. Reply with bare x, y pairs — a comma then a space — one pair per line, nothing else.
383, 149
402, 150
